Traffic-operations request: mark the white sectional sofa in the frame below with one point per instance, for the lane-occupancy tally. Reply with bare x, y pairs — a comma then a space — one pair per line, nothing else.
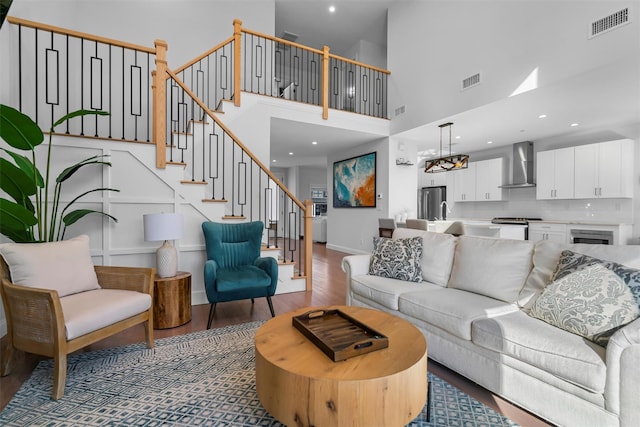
473, 308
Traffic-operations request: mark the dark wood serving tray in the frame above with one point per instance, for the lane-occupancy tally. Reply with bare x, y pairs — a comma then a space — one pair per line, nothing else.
339, 335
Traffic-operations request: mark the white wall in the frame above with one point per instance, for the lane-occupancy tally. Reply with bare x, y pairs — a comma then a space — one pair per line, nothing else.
351, 230
433, 45
311, 176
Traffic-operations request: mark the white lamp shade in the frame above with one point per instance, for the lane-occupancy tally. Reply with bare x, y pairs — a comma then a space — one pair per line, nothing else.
162, 226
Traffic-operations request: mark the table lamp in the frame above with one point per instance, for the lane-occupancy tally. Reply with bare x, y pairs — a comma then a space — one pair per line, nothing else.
164, 226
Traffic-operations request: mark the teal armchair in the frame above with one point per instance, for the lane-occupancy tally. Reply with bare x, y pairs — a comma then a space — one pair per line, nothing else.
234, 269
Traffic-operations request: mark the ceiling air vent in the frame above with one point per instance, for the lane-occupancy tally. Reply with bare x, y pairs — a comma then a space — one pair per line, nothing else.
470, 82
608, 23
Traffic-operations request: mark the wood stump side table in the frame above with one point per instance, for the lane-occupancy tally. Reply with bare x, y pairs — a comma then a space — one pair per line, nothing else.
172, 300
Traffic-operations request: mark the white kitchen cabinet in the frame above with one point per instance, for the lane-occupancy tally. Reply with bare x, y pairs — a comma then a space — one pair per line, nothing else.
433, 179
480, 182
489, 180
552, 232
604, 170
555, 174
464, 184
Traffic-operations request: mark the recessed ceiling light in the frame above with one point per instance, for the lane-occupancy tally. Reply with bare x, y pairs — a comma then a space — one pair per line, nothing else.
574, 124
290, 153
458, 137
489, 142
274, 160
314, 142
542, 116
332, 9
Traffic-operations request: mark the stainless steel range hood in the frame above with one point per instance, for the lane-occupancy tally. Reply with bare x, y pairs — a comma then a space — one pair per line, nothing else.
522, 175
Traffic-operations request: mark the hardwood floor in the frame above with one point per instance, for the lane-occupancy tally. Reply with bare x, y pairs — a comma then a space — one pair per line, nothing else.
328, 289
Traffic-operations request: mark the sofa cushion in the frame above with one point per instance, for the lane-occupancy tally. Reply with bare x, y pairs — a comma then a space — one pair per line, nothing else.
89, 311
63, 266
451, 309
591, 301
567, 356
397, 258
497, 268
385, 291
437, 253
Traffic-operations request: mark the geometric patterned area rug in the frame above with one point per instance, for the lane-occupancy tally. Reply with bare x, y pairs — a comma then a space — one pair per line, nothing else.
204, 379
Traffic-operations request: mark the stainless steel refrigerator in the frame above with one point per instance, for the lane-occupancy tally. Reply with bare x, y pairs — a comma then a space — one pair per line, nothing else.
429, 203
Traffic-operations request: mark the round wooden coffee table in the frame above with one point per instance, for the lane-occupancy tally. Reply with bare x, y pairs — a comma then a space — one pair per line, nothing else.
301, 386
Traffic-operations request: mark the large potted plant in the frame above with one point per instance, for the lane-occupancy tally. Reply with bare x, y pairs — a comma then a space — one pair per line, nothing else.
31, 216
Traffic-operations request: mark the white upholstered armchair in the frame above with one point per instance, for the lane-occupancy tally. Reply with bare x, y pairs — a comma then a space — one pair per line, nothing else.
56, 301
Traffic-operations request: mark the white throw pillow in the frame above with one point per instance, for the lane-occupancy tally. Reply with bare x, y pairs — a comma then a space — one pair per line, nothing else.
64, 266
496, 268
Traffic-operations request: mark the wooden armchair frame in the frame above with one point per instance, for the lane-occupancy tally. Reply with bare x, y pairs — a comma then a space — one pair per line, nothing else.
35, 322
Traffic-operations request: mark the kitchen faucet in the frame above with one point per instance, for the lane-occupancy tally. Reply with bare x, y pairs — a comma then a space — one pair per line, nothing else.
442, 211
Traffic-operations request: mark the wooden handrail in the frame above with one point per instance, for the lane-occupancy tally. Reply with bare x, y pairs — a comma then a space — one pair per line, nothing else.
279, 40
354, 62
64, 31
204, 55
235, 139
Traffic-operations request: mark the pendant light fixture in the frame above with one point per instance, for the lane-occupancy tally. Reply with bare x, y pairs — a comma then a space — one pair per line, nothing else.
446, 163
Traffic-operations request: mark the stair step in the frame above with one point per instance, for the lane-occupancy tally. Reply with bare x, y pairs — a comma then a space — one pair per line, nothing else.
198, 122
177, 163
268, 248
285, 262
234, 217
194, 182
181, 133
215, 200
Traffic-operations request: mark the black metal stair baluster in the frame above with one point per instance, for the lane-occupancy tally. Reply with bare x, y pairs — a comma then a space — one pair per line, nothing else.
36, 75
204, 153
148, 97
123, 94
233, 178
300, 223
20, 67
136, 112
223, 160
110, 90
242, 183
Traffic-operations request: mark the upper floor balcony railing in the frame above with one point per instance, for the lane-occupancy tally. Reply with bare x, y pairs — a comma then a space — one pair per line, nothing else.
258, 63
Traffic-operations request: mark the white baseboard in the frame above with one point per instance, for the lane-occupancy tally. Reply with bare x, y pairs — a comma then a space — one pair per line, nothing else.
347, 250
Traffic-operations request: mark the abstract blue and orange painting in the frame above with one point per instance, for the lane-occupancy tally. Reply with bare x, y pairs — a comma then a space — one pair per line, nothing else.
354, 182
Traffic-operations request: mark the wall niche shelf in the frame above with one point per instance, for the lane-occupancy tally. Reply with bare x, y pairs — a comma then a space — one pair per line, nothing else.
403, 162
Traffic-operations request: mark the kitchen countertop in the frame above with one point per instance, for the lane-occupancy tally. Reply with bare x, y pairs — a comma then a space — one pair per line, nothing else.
580, 222
544, 221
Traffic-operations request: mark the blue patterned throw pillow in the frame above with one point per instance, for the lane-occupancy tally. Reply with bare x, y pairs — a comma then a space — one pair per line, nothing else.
570, 262
592, 302
397, 259
589, 297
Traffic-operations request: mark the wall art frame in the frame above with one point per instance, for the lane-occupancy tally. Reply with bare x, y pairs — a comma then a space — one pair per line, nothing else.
354, 182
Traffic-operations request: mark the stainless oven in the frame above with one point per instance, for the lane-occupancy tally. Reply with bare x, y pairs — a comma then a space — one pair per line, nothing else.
598, 237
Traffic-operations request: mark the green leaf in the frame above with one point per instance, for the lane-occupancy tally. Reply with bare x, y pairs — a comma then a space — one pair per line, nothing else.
74, 216
68, 172
26, 165
15, 216
18, 236
15, 182
78, 113
18, 130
